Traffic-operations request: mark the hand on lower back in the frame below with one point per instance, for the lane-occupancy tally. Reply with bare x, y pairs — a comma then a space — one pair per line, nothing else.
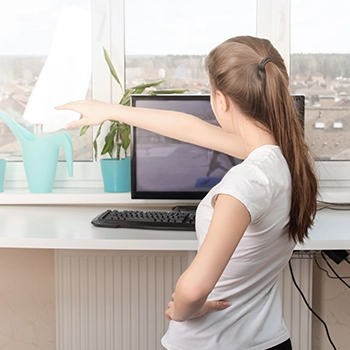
213, 305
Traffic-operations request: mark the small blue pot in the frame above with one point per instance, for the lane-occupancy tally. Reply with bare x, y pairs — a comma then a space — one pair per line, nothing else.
116, 174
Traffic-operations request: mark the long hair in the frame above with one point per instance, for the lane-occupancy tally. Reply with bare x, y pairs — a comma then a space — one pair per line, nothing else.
252, 74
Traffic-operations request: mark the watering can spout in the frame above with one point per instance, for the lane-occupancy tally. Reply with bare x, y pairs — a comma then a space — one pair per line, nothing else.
21, 133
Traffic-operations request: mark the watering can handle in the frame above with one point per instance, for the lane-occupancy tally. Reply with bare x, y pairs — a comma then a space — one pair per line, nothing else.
68, 150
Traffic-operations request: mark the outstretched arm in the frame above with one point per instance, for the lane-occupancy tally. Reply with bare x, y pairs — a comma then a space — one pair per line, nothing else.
180, 126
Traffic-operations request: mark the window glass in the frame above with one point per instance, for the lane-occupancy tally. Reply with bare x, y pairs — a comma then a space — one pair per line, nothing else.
45, 60
320, 69
170, 39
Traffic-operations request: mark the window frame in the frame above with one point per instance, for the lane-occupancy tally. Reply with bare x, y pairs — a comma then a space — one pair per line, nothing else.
273, 22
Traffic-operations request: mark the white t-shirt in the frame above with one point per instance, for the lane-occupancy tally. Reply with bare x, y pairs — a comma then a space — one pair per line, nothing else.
250, 281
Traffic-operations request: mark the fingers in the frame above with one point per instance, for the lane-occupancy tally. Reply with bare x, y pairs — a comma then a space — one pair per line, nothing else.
167, 316
167, 312
66, 106
75, 124
62, 107
69, 106
73, 105
217, 305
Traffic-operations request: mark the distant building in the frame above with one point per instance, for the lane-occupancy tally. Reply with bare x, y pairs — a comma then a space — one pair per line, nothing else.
317, 78
326, 100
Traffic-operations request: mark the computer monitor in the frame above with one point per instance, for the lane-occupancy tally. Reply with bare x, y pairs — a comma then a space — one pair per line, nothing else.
164, 168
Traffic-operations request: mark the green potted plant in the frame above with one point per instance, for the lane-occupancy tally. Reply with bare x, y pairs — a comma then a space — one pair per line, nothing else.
116, 169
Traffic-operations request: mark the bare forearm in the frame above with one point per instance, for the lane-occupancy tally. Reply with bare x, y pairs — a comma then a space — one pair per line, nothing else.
184, 310
186, 304
173, 124
180, 126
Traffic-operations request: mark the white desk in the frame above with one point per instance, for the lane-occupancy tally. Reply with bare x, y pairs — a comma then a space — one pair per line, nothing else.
69, 227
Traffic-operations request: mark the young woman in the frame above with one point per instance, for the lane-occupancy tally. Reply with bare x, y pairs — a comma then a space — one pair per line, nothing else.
247, 225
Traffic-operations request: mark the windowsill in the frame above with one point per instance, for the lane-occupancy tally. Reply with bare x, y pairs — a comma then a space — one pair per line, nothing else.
78, 196
97, 196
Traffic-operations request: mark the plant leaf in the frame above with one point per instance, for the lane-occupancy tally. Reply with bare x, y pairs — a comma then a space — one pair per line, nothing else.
159, 92
95, 149
125, 100
147, 85
111, 67
83, 130
109, 143
95, 141
126, 140
138, 91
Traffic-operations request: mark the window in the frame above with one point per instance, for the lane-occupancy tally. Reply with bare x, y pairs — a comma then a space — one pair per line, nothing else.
170, 39
337, 125
320, 69
319, 125
44, 61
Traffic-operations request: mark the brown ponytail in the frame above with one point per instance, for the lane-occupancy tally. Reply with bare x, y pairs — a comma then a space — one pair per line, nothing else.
251, 72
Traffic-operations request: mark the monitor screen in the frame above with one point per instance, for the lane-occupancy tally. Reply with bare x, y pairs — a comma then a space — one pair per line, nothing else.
164, 168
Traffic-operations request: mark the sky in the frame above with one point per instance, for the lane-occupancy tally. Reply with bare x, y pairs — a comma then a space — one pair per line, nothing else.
185, 26
320, 26
179, 26
28, 27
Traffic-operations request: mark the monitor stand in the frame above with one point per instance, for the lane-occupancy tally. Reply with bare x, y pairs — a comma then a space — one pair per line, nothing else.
185, 208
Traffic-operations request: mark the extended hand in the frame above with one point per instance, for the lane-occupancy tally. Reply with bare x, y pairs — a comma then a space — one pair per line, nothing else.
92, 112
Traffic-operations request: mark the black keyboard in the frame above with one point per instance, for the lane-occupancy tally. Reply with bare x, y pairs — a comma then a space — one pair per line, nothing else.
147, 219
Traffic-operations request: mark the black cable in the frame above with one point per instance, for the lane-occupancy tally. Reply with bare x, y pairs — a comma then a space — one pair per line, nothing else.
329, 265
324, 270
333, 206
308, 306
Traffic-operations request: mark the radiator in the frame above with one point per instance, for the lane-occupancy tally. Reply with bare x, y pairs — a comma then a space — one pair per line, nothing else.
297, 316
115, 300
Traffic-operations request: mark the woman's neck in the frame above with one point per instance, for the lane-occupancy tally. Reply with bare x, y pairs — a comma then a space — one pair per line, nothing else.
253, 135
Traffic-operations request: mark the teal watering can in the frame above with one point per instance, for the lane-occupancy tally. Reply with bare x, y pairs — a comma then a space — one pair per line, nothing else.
40, 155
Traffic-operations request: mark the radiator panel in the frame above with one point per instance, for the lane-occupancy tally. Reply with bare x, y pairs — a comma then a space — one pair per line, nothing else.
116, 299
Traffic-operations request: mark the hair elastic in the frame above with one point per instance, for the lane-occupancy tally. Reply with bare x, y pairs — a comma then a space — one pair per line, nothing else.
263, 63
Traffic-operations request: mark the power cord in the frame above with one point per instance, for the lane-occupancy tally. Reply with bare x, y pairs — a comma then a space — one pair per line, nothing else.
323, 253
327, 273
336, 255
308, 306
333, 206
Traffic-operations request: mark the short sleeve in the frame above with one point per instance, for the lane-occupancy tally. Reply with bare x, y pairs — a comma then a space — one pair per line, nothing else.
250, 186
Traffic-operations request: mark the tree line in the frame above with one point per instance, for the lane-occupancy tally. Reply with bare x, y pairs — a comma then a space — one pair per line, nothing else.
330, 65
